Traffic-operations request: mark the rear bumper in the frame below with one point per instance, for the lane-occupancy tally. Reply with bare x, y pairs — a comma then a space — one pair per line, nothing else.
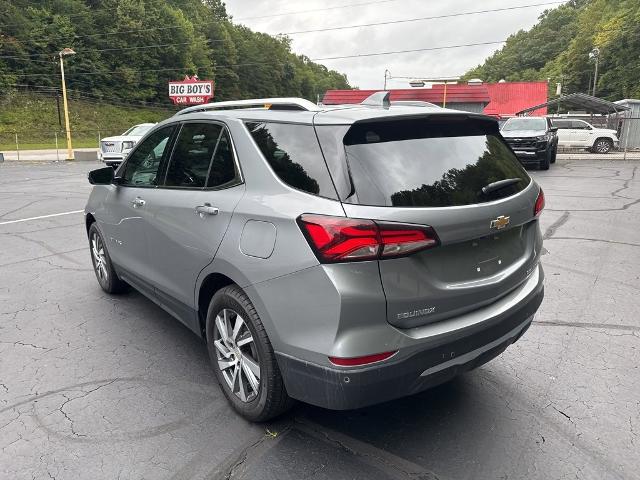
341, 389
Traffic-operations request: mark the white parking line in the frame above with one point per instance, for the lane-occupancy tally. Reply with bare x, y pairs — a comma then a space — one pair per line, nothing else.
41, 216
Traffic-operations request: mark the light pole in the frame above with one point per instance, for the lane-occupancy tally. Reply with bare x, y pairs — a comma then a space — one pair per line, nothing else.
387, 74
63, 53
595, 54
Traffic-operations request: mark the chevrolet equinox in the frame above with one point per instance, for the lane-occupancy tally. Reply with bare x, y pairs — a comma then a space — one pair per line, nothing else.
340, 256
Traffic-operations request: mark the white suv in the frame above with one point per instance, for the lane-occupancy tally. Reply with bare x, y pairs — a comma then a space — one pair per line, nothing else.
580, 134
113, 150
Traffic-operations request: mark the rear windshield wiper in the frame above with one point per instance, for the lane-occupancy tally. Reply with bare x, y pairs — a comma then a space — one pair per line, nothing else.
500, 184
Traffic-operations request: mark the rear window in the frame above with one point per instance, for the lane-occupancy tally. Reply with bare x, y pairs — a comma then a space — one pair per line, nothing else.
429, 163
294, 155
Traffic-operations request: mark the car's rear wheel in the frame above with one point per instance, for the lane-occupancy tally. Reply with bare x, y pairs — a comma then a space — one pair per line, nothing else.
602, 145
102, 266
243, 358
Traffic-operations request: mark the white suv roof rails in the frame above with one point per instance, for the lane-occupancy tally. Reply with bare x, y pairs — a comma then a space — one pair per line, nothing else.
262, 103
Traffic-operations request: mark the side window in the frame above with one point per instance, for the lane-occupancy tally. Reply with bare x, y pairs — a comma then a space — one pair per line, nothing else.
222, 169
579, 125
562, 124
142, 165
189, 164
293, 153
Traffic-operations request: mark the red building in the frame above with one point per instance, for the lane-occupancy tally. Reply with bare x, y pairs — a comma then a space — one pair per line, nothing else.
507, 98
471, 98
496, 99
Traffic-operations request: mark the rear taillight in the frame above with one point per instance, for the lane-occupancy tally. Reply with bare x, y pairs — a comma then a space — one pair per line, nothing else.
339, 239
537, 209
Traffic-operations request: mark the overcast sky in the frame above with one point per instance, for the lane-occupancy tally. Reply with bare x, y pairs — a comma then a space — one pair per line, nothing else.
369, 72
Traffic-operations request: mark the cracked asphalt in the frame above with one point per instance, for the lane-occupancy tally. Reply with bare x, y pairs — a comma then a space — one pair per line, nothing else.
100, 387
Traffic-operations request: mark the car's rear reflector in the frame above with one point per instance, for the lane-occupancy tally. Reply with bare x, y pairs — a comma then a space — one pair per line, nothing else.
340, 239
361, 361
539, 206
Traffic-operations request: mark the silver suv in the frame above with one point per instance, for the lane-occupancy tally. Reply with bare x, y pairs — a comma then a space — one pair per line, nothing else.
339, 256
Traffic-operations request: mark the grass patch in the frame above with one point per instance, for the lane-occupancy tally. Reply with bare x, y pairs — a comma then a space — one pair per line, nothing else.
35, 118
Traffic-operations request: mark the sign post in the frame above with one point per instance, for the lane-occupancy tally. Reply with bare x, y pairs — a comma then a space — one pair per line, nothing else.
190, 91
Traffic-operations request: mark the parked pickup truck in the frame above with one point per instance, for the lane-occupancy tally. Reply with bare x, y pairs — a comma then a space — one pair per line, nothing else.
533, 140
580, 134
113, 150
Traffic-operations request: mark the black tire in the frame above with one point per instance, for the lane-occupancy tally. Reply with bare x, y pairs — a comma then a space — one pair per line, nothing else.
102, 266
554, 155
602, 145
545, 162
271, 398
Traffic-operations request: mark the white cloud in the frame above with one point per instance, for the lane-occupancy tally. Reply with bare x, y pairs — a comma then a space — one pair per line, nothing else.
369, 72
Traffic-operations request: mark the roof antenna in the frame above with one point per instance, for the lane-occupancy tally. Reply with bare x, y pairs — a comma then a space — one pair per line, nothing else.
378, 99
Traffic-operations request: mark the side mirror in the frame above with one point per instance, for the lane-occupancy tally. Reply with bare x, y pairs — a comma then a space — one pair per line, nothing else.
553, 129
101, 176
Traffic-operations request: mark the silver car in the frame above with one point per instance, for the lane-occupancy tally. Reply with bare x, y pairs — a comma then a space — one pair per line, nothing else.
339, 256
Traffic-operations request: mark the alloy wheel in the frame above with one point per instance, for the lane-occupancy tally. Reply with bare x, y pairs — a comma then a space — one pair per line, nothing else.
99, 258
237, 355
602, 146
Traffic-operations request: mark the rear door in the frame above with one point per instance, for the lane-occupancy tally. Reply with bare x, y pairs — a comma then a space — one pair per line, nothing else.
581, 133
564, 132
432, 172
188, 214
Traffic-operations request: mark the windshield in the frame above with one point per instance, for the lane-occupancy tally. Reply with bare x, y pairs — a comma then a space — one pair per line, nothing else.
525, 124
421, 163
138, 130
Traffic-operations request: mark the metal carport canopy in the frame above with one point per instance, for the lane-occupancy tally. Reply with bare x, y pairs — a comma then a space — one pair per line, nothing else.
580, 101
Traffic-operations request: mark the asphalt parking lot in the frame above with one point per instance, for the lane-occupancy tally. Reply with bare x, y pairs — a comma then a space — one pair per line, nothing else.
100, 387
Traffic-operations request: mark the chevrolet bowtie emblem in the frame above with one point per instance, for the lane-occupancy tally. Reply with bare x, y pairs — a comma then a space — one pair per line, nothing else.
500, 222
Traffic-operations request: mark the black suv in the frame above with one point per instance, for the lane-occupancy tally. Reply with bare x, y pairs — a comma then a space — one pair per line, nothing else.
533, 140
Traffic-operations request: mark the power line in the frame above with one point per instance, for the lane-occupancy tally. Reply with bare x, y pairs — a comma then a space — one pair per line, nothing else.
75, 93
140, 47
169, 27
419, 19
370, 54
298, 12
414, 50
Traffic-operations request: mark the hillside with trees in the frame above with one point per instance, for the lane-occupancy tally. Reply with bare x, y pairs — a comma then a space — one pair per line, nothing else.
127, 51
558, 46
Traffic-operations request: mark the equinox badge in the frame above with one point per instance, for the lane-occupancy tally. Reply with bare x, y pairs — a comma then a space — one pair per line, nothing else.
500, 222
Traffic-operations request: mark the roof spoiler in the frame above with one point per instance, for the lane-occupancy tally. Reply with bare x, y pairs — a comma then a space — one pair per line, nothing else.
259, 103
383, 99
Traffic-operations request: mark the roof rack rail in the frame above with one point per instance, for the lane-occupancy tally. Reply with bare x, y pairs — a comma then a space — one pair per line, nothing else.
264, 103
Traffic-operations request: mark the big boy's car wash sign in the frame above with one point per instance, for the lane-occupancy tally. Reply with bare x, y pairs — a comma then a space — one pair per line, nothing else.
191, 91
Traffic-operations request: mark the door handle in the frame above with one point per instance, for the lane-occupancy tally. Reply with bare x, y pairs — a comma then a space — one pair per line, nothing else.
206, 209
138, 202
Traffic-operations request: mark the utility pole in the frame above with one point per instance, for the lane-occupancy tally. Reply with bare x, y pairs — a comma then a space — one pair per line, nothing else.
387, 74
63, 53
595, 54
59, 112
